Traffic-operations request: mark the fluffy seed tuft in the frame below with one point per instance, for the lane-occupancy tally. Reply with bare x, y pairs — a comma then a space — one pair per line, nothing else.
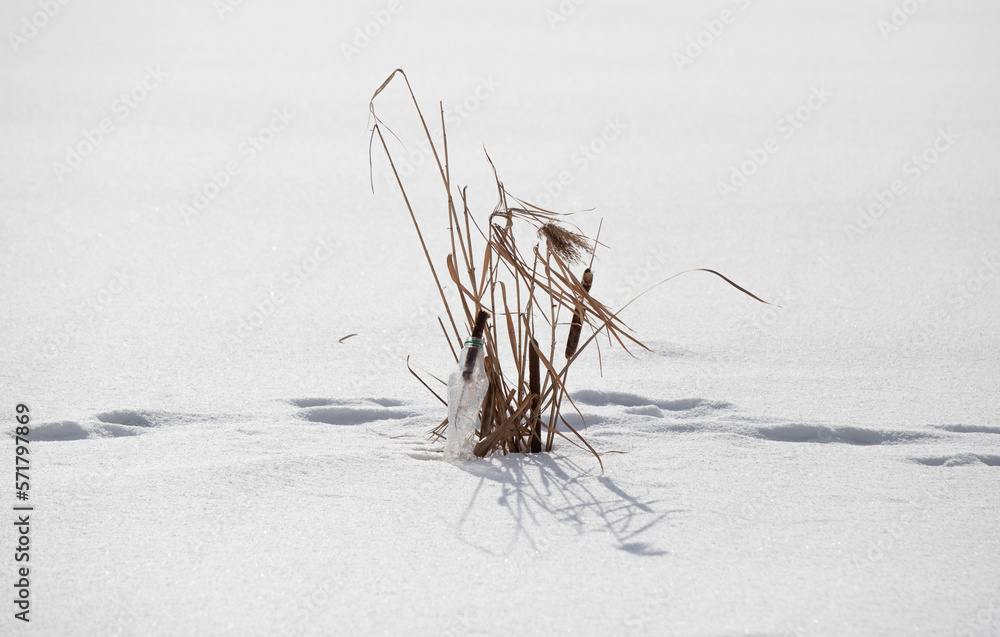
569, 246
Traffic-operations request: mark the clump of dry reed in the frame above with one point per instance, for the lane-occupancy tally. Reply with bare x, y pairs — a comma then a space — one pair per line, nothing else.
525, 295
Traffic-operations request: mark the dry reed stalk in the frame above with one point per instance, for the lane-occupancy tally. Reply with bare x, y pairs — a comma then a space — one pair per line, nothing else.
517, 295
534, 391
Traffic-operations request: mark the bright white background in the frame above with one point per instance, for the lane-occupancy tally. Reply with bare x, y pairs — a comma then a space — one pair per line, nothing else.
207, 459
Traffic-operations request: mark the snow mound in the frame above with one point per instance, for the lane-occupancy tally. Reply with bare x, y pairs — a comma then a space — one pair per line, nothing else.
645, 410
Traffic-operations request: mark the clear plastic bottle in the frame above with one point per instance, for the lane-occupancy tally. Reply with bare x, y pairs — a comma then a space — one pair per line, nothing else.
467, 387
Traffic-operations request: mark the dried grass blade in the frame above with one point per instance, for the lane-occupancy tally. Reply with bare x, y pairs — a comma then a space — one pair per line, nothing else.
724, 278
443, 401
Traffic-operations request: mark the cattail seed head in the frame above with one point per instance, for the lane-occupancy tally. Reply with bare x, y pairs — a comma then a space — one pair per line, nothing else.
569, 246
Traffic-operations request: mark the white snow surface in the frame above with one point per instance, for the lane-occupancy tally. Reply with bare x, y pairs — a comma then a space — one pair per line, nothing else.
207, 458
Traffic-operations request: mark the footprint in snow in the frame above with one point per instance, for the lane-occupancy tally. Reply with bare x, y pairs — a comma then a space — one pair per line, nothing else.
127, 418
110, 424
970, 429
842, 435
62, 430
614, 406
692, 411
960, 460
333, 411
325, 402
641, 404
963, 459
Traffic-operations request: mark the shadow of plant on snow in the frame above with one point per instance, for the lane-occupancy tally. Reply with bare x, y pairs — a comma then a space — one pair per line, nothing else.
537, 489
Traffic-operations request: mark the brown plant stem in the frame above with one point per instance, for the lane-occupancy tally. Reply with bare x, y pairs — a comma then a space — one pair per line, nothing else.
534, 390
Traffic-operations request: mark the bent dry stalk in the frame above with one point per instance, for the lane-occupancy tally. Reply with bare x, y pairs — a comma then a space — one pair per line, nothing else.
521, 294
534, 389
